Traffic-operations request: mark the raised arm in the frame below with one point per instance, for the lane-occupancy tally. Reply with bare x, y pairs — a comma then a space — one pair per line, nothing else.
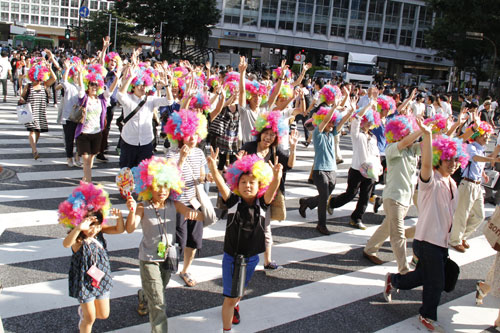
136, 212
279, 83
106, 42
219, 180
426, 168
305, 68
242, 67
327, 119
119, 227
275, 183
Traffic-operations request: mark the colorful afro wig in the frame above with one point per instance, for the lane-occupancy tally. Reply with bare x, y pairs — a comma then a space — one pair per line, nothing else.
112, 56
372, 117
213, 82
445, 148
94, 73
144, 75
286, 90
36, 60
439, 123
154, 172
232, 76
200, 101
74, 62
180, 72
321, 114
185, 123
278, 72
484, 128
386, 103
273, 120
254, 88
179, 83
84, 199
328, 94
252, 165
399, 127
230, 88
39, 72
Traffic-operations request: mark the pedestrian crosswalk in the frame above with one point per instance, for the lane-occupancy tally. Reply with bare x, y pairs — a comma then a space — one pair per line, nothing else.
325, 284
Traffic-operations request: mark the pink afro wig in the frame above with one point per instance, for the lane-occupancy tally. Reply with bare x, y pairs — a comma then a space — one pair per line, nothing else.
399, 127
254, 88
386, 103
286, 90
154, 172
439, 123
484, 128
84, 199
278, 72
372, 117
39, 72
232, 76
445, 148
145, 75
213, 82
253, 165
185, 123
200, 101
230, 88
180, 84
273, 120
94, 73
321, 114
113, 56
36, 60
328, 94
180, 72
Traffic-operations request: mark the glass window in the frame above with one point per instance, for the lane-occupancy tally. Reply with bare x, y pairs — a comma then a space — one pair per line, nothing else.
54, 2
54, 21
14, 17
339, 17
103, 5
74, 12
44, 20
391, 22
269, 13
5, 7
358, 14
65, 3
250, 12
14, 7
45, 2
375, 16
4, 17
25, 18
25, 9
93, 5
45, 10
65, 12
424, 23
322, 15
63, 22
35, 9
35, 1
74, 22
287, 14
232, 11
408, 24
304, 15
54, 11
74, 3
34, 19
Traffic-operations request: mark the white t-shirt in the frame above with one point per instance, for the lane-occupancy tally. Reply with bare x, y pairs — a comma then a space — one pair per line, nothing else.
418, 109
5, 67
364, 146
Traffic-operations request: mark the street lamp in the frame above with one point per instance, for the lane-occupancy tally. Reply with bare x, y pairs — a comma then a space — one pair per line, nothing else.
481, 36
109, 28
161, 34
116, 29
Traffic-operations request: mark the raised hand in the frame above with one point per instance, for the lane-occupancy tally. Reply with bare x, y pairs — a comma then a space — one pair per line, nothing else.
293, 139
106, 41
306, 67
427, 129
131, 203
212, 158
67, 64
283, 63
277, 168
243, 64
116, 212
183, 153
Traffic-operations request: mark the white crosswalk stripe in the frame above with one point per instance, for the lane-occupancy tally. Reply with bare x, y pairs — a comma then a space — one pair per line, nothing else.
325, 285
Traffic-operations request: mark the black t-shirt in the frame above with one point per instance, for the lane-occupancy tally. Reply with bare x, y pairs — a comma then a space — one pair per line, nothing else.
249, 221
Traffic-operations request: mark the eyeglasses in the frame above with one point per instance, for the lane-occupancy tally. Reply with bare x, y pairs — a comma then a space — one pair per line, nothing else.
93, 84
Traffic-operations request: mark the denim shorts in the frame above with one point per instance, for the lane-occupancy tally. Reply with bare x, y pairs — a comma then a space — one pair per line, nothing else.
228, 270
93, 298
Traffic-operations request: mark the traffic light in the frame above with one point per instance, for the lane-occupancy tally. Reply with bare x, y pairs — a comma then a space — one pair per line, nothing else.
67, 34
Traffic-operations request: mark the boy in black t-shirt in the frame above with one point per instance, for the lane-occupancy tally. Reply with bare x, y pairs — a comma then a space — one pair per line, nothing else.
254, 184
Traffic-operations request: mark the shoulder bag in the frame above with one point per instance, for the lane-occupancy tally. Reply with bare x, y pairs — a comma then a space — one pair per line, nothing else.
278, 208
120, 121
77, 115
24, 112
491, 229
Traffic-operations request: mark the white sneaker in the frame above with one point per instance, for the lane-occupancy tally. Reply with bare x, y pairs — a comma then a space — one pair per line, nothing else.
70, 162
78, 163
430, 325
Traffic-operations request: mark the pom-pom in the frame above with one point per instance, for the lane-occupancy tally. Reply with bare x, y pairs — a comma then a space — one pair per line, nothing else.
386, 103
94, 73
185, 123
273, 120
278, 72
253, 165
328, 94
232, 76
321, 114
446, 148
439, 123
113, 56
399, 127
484, 128
39, 73
84, 199
200, 101
154, 172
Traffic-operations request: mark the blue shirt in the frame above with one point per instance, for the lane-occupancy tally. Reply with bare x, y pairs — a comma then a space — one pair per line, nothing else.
324, 146
474, 170
379, 133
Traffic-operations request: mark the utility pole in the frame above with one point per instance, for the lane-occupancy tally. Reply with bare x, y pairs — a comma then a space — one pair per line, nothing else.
481, 36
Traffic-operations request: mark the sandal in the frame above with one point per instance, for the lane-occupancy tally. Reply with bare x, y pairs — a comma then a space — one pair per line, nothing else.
188, 280
480, 294
35, 155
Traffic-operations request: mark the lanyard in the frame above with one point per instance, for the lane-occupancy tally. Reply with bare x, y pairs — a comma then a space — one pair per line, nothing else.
161, 223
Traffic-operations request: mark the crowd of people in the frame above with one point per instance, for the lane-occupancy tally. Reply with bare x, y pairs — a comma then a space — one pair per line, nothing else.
239, 130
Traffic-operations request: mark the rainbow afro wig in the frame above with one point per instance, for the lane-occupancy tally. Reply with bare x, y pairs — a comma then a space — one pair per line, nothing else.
84, 199
144, 75
328, 94
399, 127
371, 116
74, 61
179, 83
113, 56
200, 101
445, 148
278, 72
252, 165
286, 90
39, 72
213, 82
484, 128
321, 114
386, 103
154, 172
254, 88
230, 88
273, 120
94, 73
180, 72
439, 123
185, 123
232, 76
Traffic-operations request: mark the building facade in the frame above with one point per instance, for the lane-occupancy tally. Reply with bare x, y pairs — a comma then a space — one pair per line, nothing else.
391, 29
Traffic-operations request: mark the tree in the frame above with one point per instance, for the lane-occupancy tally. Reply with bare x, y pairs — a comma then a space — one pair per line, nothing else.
98, 25
453, 19
182, 19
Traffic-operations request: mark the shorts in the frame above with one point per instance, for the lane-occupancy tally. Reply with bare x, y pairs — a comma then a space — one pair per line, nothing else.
189, 233
228, 270
93, 298
88, 143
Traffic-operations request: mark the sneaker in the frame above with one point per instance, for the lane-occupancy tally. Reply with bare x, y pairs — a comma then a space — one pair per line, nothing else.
80, 314
388, 288
142, 307
339, 161
101, 157
305, 143
70, 162
377, 204
329, 207
272, 266
236, 316
78, 163
323, 230
302, 207
430, 325
358, 224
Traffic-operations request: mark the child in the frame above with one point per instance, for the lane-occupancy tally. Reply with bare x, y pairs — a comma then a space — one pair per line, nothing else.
157, 182
85, 212
250, 180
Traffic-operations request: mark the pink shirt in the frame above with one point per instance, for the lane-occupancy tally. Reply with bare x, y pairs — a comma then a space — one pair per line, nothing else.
437, 201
